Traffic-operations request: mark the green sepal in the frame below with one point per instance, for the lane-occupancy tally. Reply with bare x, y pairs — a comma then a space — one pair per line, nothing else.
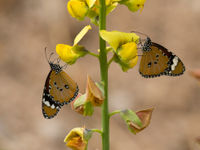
130, 116
80, 101
87, 134
125, 67
80, 50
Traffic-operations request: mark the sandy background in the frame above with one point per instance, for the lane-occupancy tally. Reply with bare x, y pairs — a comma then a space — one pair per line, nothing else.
27, 26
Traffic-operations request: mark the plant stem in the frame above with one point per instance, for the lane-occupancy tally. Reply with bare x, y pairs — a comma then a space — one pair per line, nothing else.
111, 60
97, 130
104, 77
114, 112
93, 54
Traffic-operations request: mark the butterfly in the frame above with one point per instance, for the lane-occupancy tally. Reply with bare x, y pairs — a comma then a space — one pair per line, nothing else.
59, 89
157, 60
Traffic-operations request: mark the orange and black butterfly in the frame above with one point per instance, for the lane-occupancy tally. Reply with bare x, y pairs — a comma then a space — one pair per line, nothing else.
157, 60
59, 89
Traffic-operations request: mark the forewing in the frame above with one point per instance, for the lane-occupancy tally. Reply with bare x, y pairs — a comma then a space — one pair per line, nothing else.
153, 63
63, 88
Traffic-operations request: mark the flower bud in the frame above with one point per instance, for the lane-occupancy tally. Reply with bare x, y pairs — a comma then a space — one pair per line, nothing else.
134, 5
77, 9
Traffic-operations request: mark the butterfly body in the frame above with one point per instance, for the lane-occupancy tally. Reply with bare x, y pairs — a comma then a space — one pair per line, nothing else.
59, 89
157, 60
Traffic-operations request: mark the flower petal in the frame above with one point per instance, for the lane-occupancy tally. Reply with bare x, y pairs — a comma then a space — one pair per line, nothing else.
66, 54
81, 34
116, 38
128, 51
90, 3
70, 54
126, 56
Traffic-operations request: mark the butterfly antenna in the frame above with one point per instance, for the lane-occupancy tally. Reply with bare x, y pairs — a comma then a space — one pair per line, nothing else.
64, 67
45, 51
140, 33
58, 60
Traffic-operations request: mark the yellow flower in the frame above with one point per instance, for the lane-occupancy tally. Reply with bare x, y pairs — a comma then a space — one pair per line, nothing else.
117, 39
70, 54
77, 9
77, 138
124, 46
128, 54
134, 5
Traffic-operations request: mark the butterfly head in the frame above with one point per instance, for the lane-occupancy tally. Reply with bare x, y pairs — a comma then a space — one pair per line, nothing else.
56, 67
147, 45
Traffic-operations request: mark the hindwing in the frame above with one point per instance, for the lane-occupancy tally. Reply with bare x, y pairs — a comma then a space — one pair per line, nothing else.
49, 107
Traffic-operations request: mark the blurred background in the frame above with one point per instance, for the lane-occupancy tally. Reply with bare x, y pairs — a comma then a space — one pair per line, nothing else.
27, 26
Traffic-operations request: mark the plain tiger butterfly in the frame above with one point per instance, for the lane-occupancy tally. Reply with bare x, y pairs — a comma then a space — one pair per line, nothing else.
59, 89
157, 60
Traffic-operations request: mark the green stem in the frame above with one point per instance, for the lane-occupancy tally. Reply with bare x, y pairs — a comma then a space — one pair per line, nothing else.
104, 78
93, 54
97, 130
110, 61
114, 112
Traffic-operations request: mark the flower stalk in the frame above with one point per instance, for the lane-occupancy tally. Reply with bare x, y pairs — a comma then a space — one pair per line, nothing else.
104, 77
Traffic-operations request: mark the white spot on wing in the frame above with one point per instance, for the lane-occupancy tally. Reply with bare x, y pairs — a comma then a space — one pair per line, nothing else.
175, 62
47, 103
52, 106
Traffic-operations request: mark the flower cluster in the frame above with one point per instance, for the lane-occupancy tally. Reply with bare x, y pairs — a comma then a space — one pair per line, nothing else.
80, 9
124, 46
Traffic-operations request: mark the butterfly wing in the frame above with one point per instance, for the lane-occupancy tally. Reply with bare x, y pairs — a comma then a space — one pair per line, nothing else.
159, 61
175, 65
62, 88
49, 107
